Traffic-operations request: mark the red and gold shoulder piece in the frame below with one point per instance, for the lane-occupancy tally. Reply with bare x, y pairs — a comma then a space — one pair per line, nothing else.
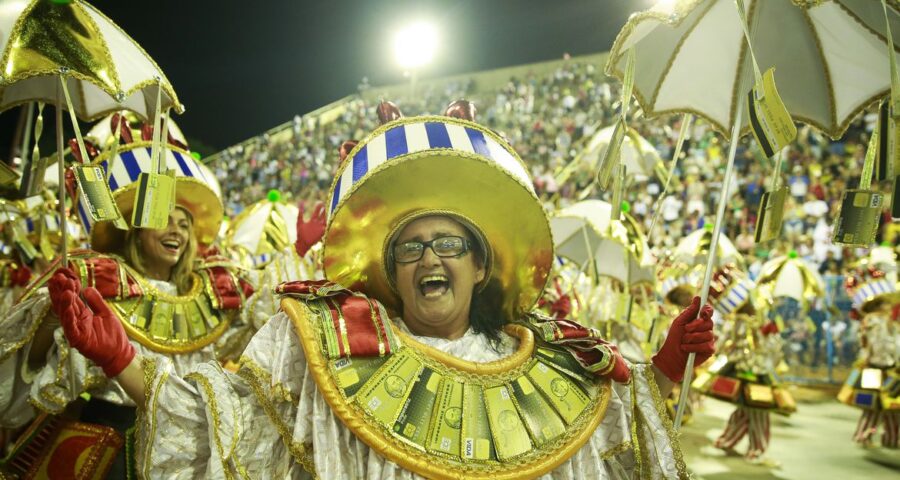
350, 323
106, 273
228, 286
12, 274
587, 352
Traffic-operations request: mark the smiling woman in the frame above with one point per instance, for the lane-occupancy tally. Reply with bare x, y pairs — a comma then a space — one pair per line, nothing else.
170, 302
437, 277
166, 254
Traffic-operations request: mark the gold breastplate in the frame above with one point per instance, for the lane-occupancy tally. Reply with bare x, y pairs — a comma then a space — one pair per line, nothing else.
442, 417
171, 323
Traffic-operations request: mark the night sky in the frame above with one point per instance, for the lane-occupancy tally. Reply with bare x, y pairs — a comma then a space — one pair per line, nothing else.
242, 67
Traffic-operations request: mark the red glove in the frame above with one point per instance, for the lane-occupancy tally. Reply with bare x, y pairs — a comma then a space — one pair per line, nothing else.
94, 331
309, 232
20, 276
769, 328
688, 334
63, 280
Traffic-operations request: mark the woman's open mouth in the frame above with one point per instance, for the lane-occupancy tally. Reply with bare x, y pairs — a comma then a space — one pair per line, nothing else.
171, 246
432, 286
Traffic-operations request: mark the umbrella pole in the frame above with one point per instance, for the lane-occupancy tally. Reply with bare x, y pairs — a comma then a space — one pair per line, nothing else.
26, 136
713, 250
686, 120
61, 169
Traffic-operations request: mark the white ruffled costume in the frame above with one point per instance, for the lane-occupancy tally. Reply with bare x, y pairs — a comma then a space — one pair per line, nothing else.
66, 374
270, 421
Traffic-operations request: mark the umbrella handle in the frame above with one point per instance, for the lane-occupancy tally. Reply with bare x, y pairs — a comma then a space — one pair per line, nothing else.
61, 170
686, 120
713, 250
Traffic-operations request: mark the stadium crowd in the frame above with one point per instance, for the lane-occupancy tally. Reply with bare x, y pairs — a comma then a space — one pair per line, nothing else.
549, 118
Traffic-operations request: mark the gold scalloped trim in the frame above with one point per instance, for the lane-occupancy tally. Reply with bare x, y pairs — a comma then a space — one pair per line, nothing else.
617, 450
276, 389
662, 412
213, 408
302, 453
151, 407
49, 394
381, 441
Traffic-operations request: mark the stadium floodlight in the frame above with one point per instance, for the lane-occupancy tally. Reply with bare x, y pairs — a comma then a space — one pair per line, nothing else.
414, 46
667, 6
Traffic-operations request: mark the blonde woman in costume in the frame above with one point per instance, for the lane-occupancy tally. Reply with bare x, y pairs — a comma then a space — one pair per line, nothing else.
172, 304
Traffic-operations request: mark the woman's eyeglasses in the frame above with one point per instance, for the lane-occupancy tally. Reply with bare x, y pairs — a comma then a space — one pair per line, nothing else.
450, 246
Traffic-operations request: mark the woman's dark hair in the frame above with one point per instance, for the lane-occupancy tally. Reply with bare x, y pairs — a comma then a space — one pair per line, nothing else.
486, 313
486, 309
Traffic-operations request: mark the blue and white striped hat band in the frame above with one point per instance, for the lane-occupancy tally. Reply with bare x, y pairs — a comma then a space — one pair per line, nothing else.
444, 166
422, 135
196, 190
734, 297
671, 283
871, 290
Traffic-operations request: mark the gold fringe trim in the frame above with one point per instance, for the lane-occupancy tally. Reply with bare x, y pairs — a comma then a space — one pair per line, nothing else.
302, 453
661, 410
618, 449
29, 335
203, 382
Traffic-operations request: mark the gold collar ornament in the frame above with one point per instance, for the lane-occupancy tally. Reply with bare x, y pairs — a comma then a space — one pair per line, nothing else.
173, 324
442, 417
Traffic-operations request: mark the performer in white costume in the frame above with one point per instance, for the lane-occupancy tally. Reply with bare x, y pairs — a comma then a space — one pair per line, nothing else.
873, 385
174, 305
429, 363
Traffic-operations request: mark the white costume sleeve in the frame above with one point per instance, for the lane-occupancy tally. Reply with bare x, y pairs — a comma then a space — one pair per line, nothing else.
286, 266
65, 374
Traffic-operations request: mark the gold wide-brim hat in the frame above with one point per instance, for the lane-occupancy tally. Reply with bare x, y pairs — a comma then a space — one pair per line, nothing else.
263, 229
671, 280
873, 280
730, 289
196, 190
411, 167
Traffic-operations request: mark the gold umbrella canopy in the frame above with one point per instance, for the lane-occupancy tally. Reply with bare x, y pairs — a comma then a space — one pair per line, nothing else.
263, 229
639, 156
584, 233
831, 58
693, 250
789, 276
106, 70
